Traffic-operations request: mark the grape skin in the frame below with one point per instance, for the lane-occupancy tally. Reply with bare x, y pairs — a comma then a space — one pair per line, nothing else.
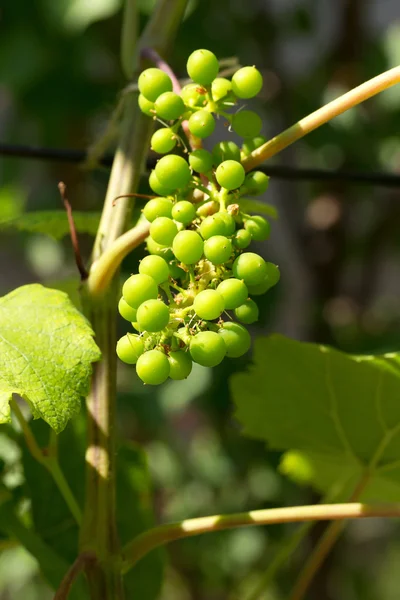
207, 348
209, 304
153, 367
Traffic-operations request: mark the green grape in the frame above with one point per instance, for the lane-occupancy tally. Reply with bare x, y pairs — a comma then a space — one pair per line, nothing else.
258, 227
225, 151
173, 171
247, 312
175, 271
153, 367
154, 82
188, 247
158, 187
242, 238
229, 221
218, 249
236, 337
247, 82
169, 106
250, 267
184, 212
246, 123
193, 95
180, 364
202, 66
209, 305
126, 311
212, 225
163, 140
208, 209
252, 144
220, 87
256, 183
272, 277
158, 207
207, 348
129, 348
230, 174
138, 289
159, 250
201, 160
201, 124
163, 230
233, 291
156, 267
152, 315
146, 106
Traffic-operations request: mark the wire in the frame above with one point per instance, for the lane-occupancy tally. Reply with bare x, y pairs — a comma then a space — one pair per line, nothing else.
277, 171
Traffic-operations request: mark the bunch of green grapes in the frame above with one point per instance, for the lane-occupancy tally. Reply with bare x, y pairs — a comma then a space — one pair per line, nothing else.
191, 299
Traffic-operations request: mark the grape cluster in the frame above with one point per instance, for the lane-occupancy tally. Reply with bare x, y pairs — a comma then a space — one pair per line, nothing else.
198, 266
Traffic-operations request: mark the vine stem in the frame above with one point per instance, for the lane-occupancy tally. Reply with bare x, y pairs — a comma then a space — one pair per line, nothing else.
73, 572
158, 536
49, 461
322, 115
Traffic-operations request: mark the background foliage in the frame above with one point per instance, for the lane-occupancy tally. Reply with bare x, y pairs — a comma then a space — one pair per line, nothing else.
336, 244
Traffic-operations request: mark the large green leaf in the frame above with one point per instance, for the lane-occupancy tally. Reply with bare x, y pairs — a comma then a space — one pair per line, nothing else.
53, 223
46, 351
340, 413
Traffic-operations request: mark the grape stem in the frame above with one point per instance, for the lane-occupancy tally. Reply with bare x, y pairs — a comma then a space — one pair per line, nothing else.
71, 575
144, 543
321, 116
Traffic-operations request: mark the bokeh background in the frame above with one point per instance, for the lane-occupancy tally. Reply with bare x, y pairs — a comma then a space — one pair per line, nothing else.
336, 243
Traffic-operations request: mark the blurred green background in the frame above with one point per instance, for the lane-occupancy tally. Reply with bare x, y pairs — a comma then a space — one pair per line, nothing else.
337, 245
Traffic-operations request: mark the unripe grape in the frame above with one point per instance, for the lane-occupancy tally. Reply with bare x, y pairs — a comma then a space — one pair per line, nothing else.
202, 66
154, 82
246, 123
163, 230
188, 247
236, 337
225, 151
250, 267
229, 221
153, 367
247, 312
158, 207
127, 312
209, 305
272, 277
180, 364
220, 87
138, 289
152, 315
184, 212
175, 271
201, 124
156, 267
146, 106
247, 82
207, 348
251, 144
218, 249
212, 225
258, 227
158, 187
230, 174
208, 209
163, 140
256, 183
242, 238
173, 171
193, 95
233, 291
169, 106
158, 249
129, 348
201, 160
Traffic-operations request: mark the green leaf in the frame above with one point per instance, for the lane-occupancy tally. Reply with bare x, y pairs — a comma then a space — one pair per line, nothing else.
46, 351
255, 206
134, 515
338, 414
53, 223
